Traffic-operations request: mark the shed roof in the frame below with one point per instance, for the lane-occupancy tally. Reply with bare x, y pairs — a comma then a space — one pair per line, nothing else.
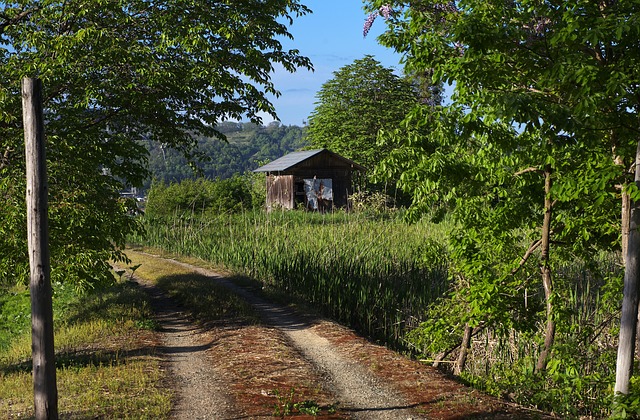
293, 159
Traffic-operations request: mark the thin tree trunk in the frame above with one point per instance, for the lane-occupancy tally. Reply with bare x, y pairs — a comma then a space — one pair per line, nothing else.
625, 220
464, 350
625, 217
441, 356
625, 225
625, 200
545, 268
629, 316
43, 355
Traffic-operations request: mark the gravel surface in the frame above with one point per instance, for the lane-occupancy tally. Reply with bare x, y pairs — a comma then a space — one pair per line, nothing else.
233, 370
359, 392
199, 391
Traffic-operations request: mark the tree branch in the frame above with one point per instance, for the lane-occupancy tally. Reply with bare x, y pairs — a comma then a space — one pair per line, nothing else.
524, 171
5, 159
526, 256
16, 19
440, 357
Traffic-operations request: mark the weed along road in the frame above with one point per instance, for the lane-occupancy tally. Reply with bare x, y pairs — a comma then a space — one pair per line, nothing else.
232, 353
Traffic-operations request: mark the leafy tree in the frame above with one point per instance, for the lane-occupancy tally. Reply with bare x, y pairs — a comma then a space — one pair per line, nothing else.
117, 72
200, 196
361, 99
563, 74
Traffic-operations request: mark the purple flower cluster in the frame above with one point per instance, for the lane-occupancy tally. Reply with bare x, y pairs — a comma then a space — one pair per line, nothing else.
448, 7
368, 23
384, 11
440, 11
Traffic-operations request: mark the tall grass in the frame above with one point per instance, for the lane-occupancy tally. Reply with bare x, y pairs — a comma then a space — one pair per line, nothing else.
376, 275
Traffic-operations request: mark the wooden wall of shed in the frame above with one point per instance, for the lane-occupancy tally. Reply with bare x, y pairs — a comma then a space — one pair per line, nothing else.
286, 191
280, 191
334, 169
342, 189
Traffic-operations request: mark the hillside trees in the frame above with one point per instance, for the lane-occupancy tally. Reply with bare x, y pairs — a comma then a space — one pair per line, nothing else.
248, 145
116, 72
564, 76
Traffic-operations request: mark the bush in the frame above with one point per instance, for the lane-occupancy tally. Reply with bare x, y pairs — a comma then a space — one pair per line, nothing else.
375, 203
200, 196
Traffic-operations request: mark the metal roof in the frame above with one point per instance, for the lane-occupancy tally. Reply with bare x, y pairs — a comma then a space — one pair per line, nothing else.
288, 161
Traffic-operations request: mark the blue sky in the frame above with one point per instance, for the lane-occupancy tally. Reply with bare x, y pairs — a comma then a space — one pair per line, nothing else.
332, 38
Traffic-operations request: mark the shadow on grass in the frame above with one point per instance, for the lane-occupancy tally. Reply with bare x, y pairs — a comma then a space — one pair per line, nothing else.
203, 299
233, 301
86, 358
120, 300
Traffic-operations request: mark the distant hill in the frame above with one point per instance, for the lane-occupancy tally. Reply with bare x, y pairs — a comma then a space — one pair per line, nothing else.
248, 147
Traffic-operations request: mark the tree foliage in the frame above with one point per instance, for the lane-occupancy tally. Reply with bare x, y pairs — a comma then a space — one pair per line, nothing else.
247, 147
562, 76
117, 72
202, 197
362, 98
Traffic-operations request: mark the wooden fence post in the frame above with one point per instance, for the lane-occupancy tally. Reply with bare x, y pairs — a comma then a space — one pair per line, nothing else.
43, 353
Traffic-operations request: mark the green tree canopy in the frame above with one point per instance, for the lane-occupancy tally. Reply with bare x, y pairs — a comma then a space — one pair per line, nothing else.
361, 99
116, 72
563, 74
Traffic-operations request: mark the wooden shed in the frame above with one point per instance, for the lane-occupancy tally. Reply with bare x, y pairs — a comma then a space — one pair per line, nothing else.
317, 179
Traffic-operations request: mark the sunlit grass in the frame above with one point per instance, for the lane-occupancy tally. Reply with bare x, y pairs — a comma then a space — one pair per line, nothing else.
117, 390
197, 293
377, 275
106, 366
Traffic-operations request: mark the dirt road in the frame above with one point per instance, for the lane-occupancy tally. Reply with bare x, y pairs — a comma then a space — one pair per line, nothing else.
298, 365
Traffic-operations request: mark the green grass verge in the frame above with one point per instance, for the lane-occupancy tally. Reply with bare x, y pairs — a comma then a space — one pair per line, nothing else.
205, 300
106, 366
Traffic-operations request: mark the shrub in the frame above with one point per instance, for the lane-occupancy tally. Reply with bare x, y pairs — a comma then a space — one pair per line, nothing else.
200, 196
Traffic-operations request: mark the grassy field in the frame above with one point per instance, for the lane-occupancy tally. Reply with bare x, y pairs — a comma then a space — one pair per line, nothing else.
376, 275
106, 366
384, 277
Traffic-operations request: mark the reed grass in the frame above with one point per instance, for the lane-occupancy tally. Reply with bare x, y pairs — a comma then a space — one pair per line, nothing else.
377, 275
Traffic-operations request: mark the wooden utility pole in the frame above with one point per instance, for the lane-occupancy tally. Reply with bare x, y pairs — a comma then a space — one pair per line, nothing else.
43, 354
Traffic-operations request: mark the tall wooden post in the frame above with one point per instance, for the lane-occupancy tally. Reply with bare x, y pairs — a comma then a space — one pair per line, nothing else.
43, 354
629, 316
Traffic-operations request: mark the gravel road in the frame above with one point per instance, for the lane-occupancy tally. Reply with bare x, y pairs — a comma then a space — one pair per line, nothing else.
234, 370
358, 391
200, 391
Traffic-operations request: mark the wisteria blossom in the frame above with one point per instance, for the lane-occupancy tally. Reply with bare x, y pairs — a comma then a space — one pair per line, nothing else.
384, 11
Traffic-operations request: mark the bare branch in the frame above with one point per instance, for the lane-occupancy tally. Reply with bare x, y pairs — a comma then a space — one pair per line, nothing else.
524, 171
526, 256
